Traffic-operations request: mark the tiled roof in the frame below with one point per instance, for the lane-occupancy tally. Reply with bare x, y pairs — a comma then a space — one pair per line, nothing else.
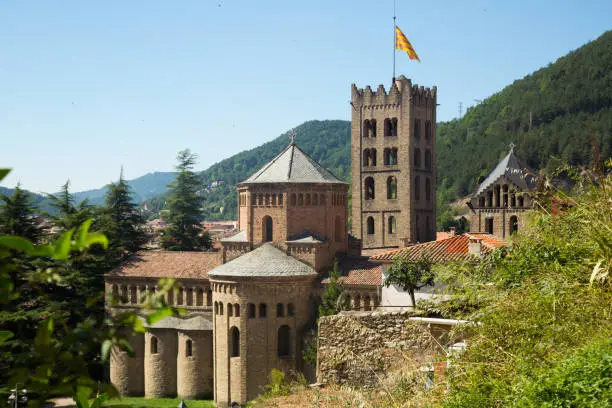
306, 237
293, 166
446, 250
169, 264
511, 167
239, 237
267, 260
193, 323
440, 235
488, 239
358, 271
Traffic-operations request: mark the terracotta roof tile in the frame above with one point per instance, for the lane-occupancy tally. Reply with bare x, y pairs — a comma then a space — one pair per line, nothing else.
169, 264
358, 271
446, 250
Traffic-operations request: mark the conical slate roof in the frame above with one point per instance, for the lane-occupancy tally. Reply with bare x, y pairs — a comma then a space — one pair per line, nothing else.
265, 261
511, 167
293, 166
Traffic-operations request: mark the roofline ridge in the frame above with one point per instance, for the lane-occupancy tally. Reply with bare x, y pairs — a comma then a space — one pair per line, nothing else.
293, 146
318, 165
266, 166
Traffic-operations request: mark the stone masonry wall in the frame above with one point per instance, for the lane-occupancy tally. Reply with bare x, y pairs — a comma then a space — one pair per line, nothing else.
355, 348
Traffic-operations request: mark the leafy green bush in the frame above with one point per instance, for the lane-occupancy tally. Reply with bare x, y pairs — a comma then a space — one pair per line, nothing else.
584, 379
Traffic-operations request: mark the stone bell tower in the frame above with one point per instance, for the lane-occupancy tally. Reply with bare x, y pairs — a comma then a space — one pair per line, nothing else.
393, 138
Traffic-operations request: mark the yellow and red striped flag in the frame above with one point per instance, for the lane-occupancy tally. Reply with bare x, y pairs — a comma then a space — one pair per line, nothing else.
402, 43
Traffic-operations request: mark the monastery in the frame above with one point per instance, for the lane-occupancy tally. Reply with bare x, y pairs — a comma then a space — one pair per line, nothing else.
251, 304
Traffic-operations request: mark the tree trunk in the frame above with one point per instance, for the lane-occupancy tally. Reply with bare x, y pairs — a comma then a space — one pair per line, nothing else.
411, 291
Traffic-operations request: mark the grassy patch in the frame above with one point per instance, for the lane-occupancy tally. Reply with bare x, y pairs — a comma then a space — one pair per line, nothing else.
156, 402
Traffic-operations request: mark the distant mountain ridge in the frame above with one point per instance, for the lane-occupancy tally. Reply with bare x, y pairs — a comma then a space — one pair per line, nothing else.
143, 188
554, 115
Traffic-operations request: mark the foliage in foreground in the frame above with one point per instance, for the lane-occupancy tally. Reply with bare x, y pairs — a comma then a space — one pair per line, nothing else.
51, 335
155, 403
538, 308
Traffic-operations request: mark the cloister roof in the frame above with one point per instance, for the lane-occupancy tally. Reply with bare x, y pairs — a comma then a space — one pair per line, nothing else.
511, 167
293, 165
265, 261
168, 264
358, 271
446, 250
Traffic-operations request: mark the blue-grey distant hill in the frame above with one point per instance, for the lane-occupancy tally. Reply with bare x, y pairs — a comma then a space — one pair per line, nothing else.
143, 188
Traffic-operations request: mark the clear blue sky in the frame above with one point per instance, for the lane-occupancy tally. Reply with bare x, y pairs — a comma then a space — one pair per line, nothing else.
86, 87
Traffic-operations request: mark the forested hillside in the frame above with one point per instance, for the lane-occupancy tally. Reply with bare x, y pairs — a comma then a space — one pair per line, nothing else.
328, 142
547, 115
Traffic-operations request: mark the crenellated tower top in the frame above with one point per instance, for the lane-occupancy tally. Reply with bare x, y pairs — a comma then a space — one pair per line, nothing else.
402, 88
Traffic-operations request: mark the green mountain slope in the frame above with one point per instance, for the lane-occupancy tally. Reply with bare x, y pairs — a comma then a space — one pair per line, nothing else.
328, 142
547, 115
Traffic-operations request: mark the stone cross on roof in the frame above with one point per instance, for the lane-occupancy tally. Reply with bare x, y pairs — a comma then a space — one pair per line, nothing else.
511, 146
291, 134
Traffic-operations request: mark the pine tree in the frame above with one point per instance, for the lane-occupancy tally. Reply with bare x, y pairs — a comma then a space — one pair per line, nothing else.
121, 222
184, 232
68, 214
18, 215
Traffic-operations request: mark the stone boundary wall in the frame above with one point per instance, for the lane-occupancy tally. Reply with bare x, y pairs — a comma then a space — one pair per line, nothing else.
358, 348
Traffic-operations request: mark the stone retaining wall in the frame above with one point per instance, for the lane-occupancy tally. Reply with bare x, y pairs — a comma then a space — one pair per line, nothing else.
357, 348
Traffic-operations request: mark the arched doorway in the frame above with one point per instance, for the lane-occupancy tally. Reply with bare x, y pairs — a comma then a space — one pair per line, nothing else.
267, 229
513, 225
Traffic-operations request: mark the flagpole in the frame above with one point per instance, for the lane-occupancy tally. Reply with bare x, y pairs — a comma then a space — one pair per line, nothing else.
394, 44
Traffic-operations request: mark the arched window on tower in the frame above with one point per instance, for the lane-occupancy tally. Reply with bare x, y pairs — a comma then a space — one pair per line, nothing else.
387, 157
373, 128
427, 189
428, 159
521, 201
392, 225
513, 227
387, 129
188, 348
280, 310
417, 188
290, 310
251, 309
263, 310
366, 128
394, 127
153, 345
293, 200
373, 157
417, 128
300, 199
369, 188
417, 158
234, 345
284, 341
427, 130
393, 158
391, 188
230, 310
370, 225
267, 229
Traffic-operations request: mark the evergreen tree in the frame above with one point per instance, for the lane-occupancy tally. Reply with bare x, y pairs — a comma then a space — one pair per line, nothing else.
122, 223
184, 232
68, 214
332, 299
18, 215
